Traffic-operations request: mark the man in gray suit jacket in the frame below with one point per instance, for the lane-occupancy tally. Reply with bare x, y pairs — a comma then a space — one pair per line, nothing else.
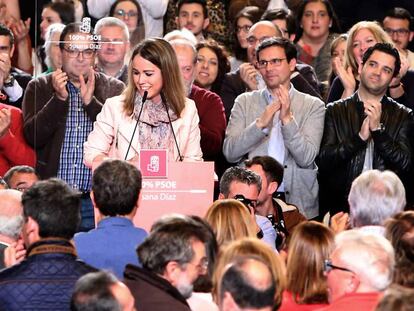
281, 122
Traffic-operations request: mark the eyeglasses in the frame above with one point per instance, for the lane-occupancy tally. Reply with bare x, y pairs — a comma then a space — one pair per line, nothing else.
253, 40
123, 13
244, 28
400, 32
202, 266
247, 202
328, 266
274, 62
73, 53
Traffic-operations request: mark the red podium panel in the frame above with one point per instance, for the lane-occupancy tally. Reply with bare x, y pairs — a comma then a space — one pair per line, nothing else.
188, 189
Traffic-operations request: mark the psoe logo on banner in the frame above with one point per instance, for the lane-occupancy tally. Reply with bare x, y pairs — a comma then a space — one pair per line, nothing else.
153, 163
86, 25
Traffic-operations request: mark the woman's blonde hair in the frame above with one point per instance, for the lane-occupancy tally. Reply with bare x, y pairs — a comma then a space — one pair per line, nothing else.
245, 247
230, 221
379, 34
160, 53
310, 244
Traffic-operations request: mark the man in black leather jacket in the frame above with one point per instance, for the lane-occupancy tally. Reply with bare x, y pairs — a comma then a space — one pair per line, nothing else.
365, 131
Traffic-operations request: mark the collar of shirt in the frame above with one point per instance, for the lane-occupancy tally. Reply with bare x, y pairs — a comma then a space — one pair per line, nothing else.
270, 97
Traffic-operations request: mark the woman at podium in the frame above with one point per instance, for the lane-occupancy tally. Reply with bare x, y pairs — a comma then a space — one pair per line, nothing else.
152, 112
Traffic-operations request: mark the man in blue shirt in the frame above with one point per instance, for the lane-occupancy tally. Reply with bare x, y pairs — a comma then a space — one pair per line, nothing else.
116, 187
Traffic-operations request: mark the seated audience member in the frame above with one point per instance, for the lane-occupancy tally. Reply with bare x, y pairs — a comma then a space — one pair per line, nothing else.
396, 298
358, 271
114, 37
129, 11
283, 19
307, 287
243, 21
249, 78
375, 196
101, 291
362, 36
14, 149
367, 130
247, 284
230, 220
152, 13
172, 256
398, 24
116, 187
21, 177
399, 230
11, 220
212, 65
45, 279
209, 105
167, 119
53, 54
281, 122
244, 185
193, 15
271, 203
251, 247
318, 28
13, 81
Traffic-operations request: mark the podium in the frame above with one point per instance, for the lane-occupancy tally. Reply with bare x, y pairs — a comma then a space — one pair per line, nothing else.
187, 189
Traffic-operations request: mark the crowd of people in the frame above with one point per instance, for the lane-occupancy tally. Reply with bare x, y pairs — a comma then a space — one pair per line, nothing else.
305, 108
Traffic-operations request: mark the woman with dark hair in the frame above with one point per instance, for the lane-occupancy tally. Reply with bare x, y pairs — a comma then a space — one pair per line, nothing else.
166, 120
212, 65
242, 23
318, 26
56, 12
310, 245
130, 13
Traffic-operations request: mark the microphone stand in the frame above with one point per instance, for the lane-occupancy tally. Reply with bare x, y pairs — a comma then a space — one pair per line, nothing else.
180, 157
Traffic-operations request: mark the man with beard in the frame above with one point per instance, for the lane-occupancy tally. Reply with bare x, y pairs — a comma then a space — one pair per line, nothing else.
365, 131
173, 256
59, 110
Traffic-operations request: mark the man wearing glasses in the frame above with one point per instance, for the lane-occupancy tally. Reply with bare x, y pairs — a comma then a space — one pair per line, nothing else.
281, 122
397, 23
59, 110
358, 270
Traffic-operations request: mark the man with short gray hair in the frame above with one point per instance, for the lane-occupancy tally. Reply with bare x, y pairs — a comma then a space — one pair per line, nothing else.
11, 219
359, 269
113, 37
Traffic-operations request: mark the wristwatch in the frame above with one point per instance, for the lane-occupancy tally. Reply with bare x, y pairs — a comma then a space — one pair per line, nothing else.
380, 129
9, 81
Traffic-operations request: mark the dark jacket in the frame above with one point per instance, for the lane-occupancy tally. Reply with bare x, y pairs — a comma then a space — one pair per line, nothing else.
152, 292
304, 81
44, 280
342, 153
23, 79
44, 117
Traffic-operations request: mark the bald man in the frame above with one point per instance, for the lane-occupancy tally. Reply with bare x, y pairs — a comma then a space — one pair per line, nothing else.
11, 219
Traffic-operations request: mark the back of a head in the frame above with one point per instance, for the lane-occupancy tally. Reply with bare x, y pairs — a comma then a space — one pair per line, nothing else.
369, 256
249, 281
250, 247
93, 293
238, 174
116, 186
230, 220
305, 274
272, 168
397, 298
54, 206
170, 241
374, 197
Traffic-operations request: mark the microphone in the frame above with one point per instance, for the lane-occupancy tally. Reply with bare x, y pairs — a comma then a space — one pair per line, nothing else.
144, 98
180, 157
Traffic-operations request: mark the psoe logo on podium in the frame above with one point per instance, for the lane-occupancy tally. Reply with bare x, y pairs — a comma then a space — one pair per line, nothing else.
153, 163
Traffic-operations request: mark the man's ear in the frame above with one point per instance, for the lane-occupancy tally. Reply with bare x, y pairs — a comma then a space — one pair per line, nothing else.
228, 303
292, 65
272, 187
221, 196
352, 283
32, 230
206, 23
11, 51
97, 212
411, 36
172, 272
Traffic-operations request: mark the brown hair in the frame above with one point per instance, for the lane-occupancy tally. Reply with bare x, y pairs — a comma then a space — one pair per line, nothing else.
230, 221
250, 246
161, 54
311, 243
